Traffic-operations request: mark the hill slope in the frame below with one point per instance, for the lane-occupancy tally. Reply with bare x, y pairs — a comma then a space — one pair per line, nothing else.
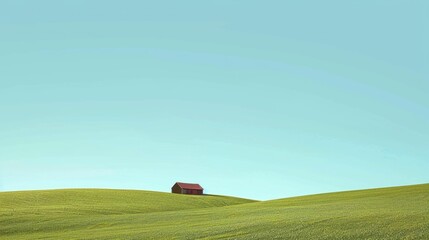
105, 201
388, 213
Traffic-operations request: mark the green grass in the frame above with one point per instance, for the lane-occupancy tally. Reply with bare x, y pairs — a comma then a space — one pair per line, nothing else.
387, 213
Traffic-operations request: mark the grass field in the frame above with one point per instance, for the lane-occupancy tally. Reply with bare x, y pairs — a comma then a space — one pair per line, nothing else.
386, 213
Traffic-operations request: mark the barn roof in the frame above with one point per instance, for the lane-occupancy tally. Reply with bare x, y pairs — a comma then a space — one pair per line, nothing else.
193, 186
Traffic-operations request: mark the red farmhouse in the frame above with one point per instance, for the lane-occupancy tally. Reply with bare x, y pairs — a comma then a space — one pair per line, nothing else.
187, 188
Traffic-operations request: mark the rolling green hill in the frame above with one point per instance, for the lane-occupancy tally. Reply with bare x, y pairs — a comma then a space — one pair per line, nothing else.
386, 213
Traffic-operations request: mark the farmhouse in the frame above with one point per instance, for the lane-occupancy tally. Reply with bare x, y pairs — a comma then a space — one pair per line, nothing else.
187, 188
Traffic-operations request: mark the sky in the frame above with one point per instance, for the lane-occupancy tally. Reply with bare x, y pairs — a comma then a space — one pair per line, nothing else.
257, 99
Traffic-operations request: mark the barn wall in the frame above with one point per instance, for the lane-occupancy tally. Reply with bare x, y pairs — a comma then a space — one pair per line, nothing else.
192, 191
176, 189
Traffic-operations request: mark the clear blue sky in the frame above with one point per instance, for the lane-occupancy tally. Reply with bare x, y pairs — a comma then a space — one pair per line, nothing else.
259, 99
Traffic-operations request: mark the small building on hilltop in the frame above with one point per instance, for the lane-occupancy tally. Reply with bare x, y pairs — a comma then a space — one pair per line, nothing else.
187, 188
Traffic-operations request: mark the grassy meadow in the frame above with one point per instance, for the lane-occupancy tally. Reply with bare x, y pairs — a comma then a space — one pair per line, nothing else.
385, 213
